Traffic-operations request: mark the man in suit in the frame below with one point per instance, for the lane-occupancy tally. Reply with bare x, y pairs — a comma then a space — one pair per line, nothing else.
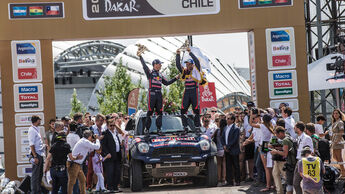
230, 142
111, 145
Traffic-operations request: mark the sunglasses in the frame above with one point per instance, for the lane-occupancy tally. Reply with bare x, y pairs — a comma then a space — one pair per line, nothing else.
214, 111
126, 118
112, 125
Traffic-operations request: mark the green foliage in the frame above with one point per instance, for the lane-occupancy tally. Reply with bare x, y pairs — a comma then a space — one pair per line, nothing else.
113, 97
173, 99
76, 105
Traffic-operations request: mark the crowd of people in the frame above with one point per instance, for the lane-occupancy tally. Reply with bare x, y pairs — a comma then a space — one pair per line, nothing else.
267, 146
262, 145
81, 154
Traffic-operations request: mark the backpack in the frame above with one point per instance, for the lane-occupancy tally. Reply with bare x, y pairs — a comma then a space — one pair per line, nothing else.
293, 150
323, 149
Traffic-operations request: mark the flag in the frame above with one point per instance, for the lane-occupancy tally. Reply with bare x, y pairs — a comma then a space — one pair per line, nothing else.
281, 1
249, 2
265, 2
36, 10
204, 61
53, 10
19, 11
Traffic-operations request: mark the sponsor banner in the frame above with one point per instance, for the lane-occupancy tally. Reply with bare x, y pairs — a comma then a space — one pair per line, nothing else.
22, 143
128, 9
281, 52
28, 97
252, 65
293, 103
280, 84
24, 170
208, 97
281, 61
35, 10
133, 98
295, 115
283, 84
281, 48
26, 61
27, 73
263, 3
132, 111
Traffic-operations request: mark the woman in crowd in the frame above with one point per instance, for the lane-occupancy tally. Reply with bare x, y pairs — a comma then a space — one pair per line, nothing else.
337, 137
266, 129
221, 165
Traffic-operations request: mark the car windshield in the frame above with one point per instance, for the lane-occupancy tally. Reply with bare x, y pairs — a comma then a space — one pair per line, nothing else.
170, 124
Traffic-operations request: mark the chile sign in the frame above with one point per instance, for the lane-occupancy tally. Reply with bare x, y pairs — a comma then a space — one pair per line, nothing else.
128, 9
282, 84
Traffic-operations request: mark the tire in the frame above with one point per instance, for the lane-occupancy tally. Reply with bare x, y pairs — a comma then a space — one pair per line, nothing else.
125, 182
212, 172
136, 178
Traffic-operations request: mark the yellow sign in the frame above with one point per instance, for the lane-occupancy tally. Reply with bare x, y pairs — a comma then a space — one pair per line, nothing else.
311, 169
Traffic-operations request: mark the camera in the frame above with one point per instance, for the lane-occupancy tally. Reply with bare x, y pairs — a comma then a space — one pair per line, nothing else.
255, 111
289, 167
337, 66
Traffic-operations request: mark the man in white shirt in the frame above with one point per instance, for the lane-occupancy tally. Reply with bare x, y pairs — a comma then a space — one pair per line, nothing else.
246, 124
206, 128
303, 140
97, 127
289, 121
74, 169
320, 120
37, 152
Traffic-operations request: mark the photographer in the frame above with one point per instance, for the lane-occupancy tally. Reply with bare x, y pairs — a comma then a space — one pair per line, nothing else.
57, 157
85, 145
285, 160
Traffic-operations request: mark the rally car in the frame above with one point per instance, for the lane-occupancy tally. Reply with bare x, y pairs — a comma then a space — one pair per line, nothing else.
174, 154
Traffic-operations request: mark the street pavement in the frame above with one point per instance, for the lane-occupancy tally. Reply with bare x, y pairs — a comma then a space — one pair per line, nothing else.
192, 189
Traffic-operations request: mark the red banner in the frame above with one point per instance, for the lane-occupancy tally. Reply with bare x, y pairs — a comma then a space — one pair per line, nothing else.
208, 97
27, 73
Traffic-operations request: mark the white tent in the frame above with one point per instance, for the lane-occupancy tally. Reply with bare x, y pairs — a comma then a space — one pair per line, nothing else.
322, 79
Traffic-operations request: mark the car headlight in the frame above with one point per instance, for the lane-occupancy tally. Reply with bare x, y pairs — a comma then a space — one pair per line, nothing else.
143, 147
204, 145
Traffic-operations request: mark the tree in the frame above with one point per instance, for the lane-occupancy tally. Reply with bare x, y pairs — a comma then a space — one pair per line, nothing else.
76, 105
142, 96
173, 99
113, 97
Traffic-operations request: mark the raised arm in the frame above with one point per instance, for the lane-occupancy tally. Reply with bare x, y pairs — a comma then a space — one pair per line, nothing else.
145, 67
195, 59
178, 60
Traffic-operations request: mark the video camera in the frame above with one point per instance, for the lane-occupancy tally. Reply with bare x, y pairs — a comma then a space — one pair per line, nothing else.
338, 65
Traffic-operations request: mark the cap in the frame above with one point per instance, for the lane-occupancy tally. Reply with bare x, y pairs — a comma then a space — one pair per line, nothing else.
156, 61
251, 104
189, 61
306, 150
61, 136
65, 118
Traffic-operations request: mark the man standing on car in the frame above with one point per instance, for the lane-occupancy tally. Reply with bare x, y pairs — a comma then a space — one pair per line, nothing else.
155, 99
191, 92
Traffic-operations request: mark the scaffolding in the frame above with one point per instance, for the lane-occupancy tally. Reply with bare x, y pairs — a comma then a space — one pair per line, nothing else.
325, 27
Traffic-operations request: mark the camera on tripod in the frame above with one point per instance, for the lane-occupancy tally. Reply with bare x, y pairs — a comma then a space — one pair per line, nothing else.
338, 65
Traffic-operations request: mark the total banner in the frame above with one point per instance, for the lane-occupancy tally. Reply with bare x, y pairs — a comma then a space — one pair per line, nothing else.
208, 96
127, 9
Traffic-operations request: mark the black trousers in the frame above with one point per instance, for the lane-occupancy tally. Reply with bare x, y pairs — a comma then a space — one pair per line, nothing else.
191, 97
155, 102
113, 174
232, 166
